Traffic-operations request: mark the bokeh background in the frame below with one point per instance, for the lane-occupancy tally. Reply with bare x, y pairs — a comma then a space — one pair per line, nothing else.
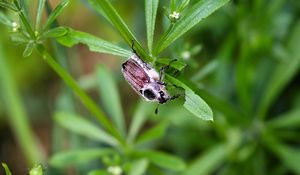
243, 60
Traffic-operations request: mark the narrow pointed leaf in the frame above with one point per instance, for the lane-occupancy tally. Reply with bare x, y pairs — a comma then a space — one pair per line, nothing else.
94, 43
55, 33
6, 169
4, 19
39, 13
77, 157
288, 120
199, 11
139, 117
163, 160
84, 127
139, 167
110, 97
28, 49
150, 9
193, 102
207, 161
153, 133
55, 13
120, 25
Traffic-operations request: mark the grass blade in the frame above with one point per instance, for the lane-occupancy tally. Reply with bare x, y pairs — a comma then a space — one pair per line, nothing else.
77, 157
55, 13
110, 97
208, 161
84, 127
200, 10
150, 9
39, 13
95, 44
120, 25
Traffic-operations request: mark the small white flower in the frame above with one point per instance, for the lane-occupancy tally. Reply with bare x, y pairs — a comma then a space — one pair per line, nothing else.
175, 15
15, 26
115, 170
186, 55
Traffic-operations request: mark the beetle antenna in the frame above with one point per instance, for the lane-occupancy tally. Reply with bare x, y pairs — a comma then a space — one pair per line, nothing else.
132, 45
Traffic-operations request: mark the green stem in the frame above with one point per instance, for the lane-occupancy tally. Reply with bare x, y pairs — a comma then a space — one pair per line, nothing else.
87, 102
26, 24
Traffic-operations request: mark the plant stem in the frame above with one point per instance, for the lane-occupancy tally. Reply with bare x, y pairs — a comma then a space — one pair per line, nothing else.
87, 102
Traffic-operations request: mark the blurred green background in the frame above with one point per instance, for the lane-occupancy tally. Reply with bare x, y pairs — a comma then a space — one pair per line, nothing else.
243, 60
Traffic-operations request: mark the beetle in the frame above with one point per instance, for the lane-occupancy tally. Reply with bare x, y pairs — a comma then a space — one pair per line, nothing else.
145, 80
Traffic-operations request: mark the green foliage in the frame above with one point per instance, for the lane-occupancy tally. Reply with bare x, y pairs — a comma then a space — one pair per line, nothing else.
247, 72
150, 13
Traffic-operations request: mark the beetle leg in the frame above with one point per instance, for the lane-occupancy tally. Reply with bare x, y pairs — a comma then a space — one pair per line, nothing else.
162, 69
132, 45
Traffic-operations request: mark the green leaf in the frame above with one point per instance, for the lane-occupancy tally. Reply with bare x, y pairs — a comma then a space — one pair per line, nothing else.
28, 49
194, 103
77, 157
200, 10
163, 160
288, 120
120, 25
110, 97
183, 5
19, 38
54, 33
206, 70
153, 133
95, 44
39, 13
8, 6
178, 65
36, 170
289, 156
7, 171
4, 19
150, 9
283, 73
84, 127
55, 13
139, 117
139, 167
99, 172
208, 161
